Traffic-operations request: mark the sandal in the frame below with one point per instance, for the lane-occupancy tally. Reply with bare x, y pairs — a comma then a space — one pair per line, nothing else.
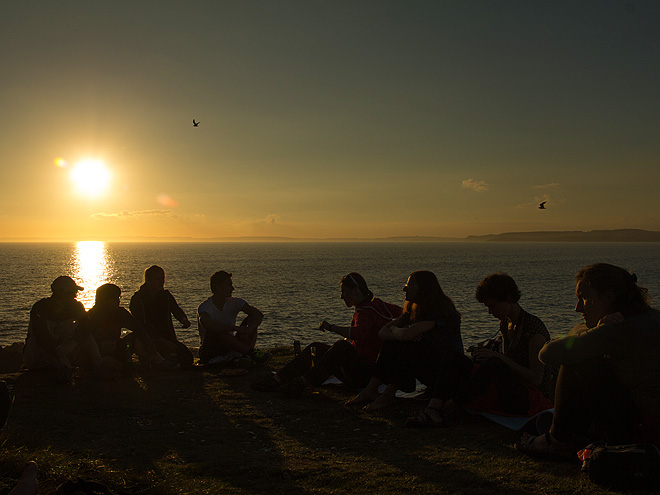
425, 420
545, 447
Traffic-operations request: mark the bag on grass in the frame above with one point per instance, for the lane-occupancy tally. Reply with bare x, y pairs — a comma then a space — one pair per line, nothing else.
623, 466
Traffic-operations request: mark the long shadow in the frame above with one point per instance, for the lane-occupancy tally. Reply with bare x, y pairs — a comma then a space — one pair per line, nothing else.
165, 427
431, 457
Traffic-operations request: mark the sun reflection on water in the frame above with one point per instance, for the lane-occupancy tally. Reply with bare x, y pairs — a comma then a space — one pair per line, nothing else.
91, 266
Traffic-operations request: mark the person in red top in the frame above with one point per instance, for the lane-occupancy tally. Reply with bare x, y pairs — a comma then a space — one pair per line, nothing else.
350, 359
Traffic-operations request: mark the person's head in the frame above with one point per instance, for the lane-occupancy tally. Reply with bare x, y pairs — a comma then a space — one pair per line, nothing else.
499, 293
65, 287
221, 284
154, 277
424, 296
354, 289
107, 296
602, 289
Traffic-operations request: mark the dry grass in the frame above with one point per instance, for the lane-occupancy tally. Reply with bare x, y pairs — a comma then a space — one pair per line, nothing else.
197, 432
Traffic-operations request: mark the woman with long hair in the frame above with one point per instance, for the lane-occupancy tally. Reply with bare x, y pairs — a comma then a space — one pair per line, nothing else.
427, 331
350, 359
507, 375
608, 387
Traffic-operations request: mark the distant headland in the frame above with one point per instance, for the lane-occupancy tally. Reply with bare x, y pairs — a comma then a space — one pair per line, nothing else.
618, 235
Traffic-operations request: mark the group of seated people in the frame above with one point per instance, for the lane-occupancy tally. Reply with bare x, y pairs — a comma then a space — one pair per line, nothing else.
602, 378
62, 335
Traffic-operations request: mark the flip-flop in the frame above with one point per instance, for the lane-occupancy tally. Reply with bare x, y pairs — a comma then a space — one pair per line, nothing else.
545, 448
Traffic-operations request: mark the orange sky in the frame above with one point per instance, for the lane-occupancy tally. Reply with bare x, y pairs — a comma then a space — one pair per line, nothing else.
335, 119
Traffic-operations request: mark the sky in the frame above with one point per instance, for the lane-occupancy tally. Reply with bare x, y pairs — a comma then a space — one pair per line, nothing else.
327, 119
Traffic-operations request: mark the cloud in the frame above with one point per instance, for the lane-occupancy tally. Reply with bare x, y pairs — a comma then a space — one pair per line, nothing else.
271, 219
134, 214
552, 185
475, 185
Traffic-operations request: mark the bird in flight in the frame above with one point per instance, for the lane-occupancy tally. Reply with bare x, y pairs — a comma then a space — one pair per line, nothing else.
542, 205
195, 124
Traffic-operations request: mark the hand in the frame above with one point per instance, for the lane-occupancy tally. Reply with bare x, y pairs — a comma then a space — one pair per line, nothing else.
185, 323
324, 326
610, 318
480, 354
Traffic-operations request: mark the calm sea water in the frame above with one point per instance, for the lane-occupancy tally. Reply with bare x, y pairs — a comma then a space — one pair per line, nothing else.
296, 285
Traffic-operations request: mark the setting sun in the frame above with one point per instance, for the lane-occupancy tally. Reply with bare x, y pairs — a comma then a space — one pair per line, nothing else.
91, 177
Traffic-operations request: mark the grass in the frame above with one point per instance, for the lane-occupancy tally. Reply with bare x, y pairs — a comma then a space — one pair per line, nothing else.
197, 432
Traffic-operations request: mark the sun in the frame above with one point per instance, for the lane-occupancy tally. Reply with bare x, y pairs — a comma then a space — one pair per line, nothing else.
91, 177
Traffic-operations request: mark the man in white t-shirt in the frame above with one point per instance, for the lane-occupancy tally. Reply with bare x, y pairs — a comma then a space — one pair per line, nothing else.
222, 341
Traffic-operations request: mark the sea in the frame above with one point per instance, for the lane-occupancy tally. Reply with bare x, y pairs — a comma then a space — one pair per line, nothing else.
296, 284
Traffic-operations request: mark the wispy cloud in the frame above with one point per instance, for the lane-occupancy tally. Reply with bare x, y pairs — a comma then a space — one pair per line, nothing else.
552, 185
475, 185
271, 219
134, 214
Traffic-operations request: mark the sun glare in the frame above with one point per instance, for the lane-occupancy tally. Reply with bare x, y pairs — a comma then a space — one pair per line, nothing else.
91, 177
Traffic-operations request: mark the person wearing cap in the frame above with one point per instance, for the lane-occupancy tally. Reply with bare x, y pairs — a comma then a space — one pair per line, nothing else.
153, 306
58, 330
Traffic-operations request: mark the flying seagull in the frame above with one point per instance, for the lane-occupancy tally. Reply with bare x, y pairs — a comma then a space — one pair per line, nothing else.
195, 124
542, 205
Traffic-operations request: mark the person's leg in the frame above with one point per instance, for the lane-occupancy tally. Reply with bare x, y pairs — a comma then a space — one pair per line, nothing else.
28, 484
452, 370
303, 362
590, 398
512, 396
334, 360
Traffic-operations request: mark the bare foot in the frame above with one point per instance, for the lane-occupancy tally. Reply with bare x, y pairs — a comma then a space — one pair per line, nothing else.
28, 484
381, 402
364, 397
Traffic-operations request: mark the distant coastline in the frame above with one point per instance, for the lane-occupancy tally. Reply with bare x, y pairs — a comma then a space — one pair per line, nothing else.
617, 235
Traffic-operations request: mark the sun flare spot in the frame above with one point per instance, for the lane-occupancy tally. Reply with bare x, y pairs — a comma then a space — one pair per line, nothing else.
60, 162
91, 177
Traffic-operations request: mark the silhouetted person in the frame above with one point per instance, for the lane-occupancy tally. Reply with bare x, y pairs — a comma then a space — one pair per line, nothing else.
222, 342
59, 333
153, 306
107, 319
608, 386
351, 359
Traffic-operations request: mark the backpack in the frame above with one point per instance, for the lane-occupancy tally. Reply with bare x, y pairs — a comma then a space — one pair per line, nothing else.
622, 466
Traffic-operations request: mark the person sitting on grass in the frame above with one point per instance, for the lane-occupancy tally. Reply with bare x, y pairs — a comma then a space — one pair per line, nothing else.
507, 376
107, 319
153, 306
608, 387
414, 343
59, 334
222, 342
350, 359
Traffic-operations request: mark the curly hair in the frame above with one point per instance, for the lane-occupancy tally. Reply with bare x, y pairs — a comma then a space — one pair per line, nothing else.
498, 287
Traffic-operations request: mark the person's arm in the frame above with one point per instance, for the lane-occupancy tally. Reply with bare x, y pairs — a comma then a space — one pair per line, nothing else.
177, 312
533, 374
210, 325
252, 320
129, 322
584, 345
345, 332
136, 307
395, 330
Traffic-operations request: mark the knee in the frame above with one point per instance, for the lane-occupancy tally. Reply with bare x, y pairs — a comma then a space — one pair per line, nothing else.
341, 345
